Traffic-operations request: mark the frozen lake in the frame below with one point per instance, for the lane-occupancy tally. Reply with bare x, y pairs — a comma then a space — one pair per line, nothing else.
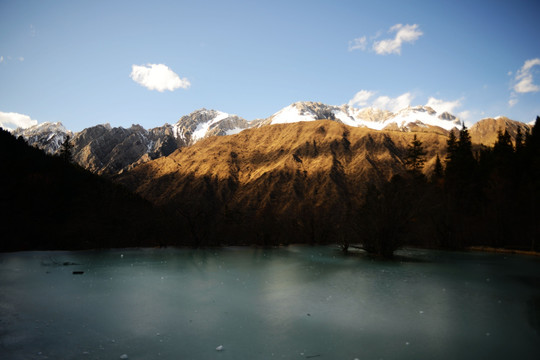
285, 303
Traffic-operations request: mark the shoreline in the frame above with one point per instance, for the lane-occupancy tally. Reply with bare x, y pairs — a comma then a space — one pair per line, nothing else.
502, 250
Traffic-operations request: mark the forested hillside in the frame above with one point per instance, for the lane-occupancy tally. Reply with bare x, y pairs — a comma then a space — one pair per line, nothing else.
47, 202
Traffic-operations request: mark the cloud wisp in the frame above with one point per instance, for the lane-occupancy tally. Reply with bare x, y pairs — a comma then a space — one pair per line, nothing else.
358, 44
524, 81
158, 77
365, 98
442, 106
11, 121
524, 77
361, 98
403, 34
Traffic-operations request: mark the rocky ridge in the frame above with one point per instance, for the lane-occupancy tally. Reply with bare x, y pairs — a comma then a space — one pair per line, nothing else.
108, 150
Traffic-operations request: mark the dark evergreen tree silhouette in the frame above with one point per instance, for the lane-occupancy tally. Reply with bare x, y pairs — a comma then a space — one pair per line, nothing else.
438, 171
503, 145
520, 140
451, 147
66, 149
416, 155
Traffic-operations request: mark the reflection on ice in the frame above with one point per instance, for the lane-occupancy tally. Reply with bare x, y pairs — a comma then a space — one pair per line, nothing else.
287, 303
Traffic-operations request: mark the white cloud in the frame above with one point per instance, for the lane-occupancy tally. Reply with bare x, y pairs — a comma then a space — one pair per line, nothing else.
513, 101
12, 121
158, 77
404, 34
358, 44
382, 102
393, 104
464, 115
361, 98
365, 98
443, 106
524, 77
1, 59
20, 58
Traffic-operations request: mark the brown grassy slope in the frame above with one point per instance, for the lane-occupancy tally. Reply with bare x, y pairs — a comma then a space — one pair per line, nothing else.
308, 160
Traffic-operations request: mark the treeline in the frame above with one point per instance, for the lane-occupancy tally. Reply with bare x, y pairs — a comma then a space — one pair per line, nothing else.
47, 202
488, 197
475, 196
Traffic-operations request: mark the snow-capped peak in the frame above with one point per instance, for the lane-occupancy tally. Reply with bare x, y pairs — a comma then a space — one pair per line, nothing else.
425, 115
202, 128
202, 123
372, 118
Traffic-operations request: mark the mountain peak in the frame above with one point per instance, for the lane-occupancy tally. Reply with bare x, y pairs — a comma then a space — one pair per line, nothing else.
47, 136
202, 123
486, 130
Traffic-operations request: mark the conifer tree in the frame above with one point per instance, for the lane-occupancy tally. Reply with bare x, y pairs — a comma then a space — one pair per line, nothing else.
464, 144
451, 144
504, 143
438, 171
416, 155
66, 149
520, 142
462, 159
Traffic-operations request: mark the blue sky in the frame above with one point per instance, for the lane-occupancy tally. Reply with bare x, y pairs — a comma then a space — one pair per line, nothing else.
77, 61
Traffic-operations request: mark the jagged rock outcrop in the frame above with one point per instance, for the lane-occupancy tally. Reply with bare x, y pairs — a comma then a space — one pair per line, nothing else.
106, 150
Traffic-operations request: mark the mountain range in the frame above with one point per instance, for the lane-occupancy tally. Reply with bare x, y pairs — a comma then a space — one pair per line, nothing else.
310, 173
107, 150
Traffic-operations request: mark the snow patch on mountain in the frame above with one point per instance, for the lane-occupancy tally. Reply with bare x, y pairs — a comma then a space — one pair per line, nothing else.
368, 117
234, 131
204, 123
292, 114
202, 128
425, 115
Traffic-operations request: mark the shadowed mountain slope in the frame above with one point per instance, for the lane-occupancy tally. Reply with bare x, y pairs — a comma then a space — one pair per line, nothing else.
304, 176
48, 203
256, 158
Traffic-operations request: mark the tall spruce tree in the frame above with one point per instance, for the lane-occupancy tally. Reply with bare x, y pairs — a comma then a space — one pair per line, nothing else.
438, 170
503, 145
416, 155
66, 149
520, 141
451, 147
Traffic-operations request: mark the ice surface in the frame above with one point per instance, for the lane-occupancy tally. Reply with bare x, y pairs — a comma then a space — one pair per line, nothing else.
261, 303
